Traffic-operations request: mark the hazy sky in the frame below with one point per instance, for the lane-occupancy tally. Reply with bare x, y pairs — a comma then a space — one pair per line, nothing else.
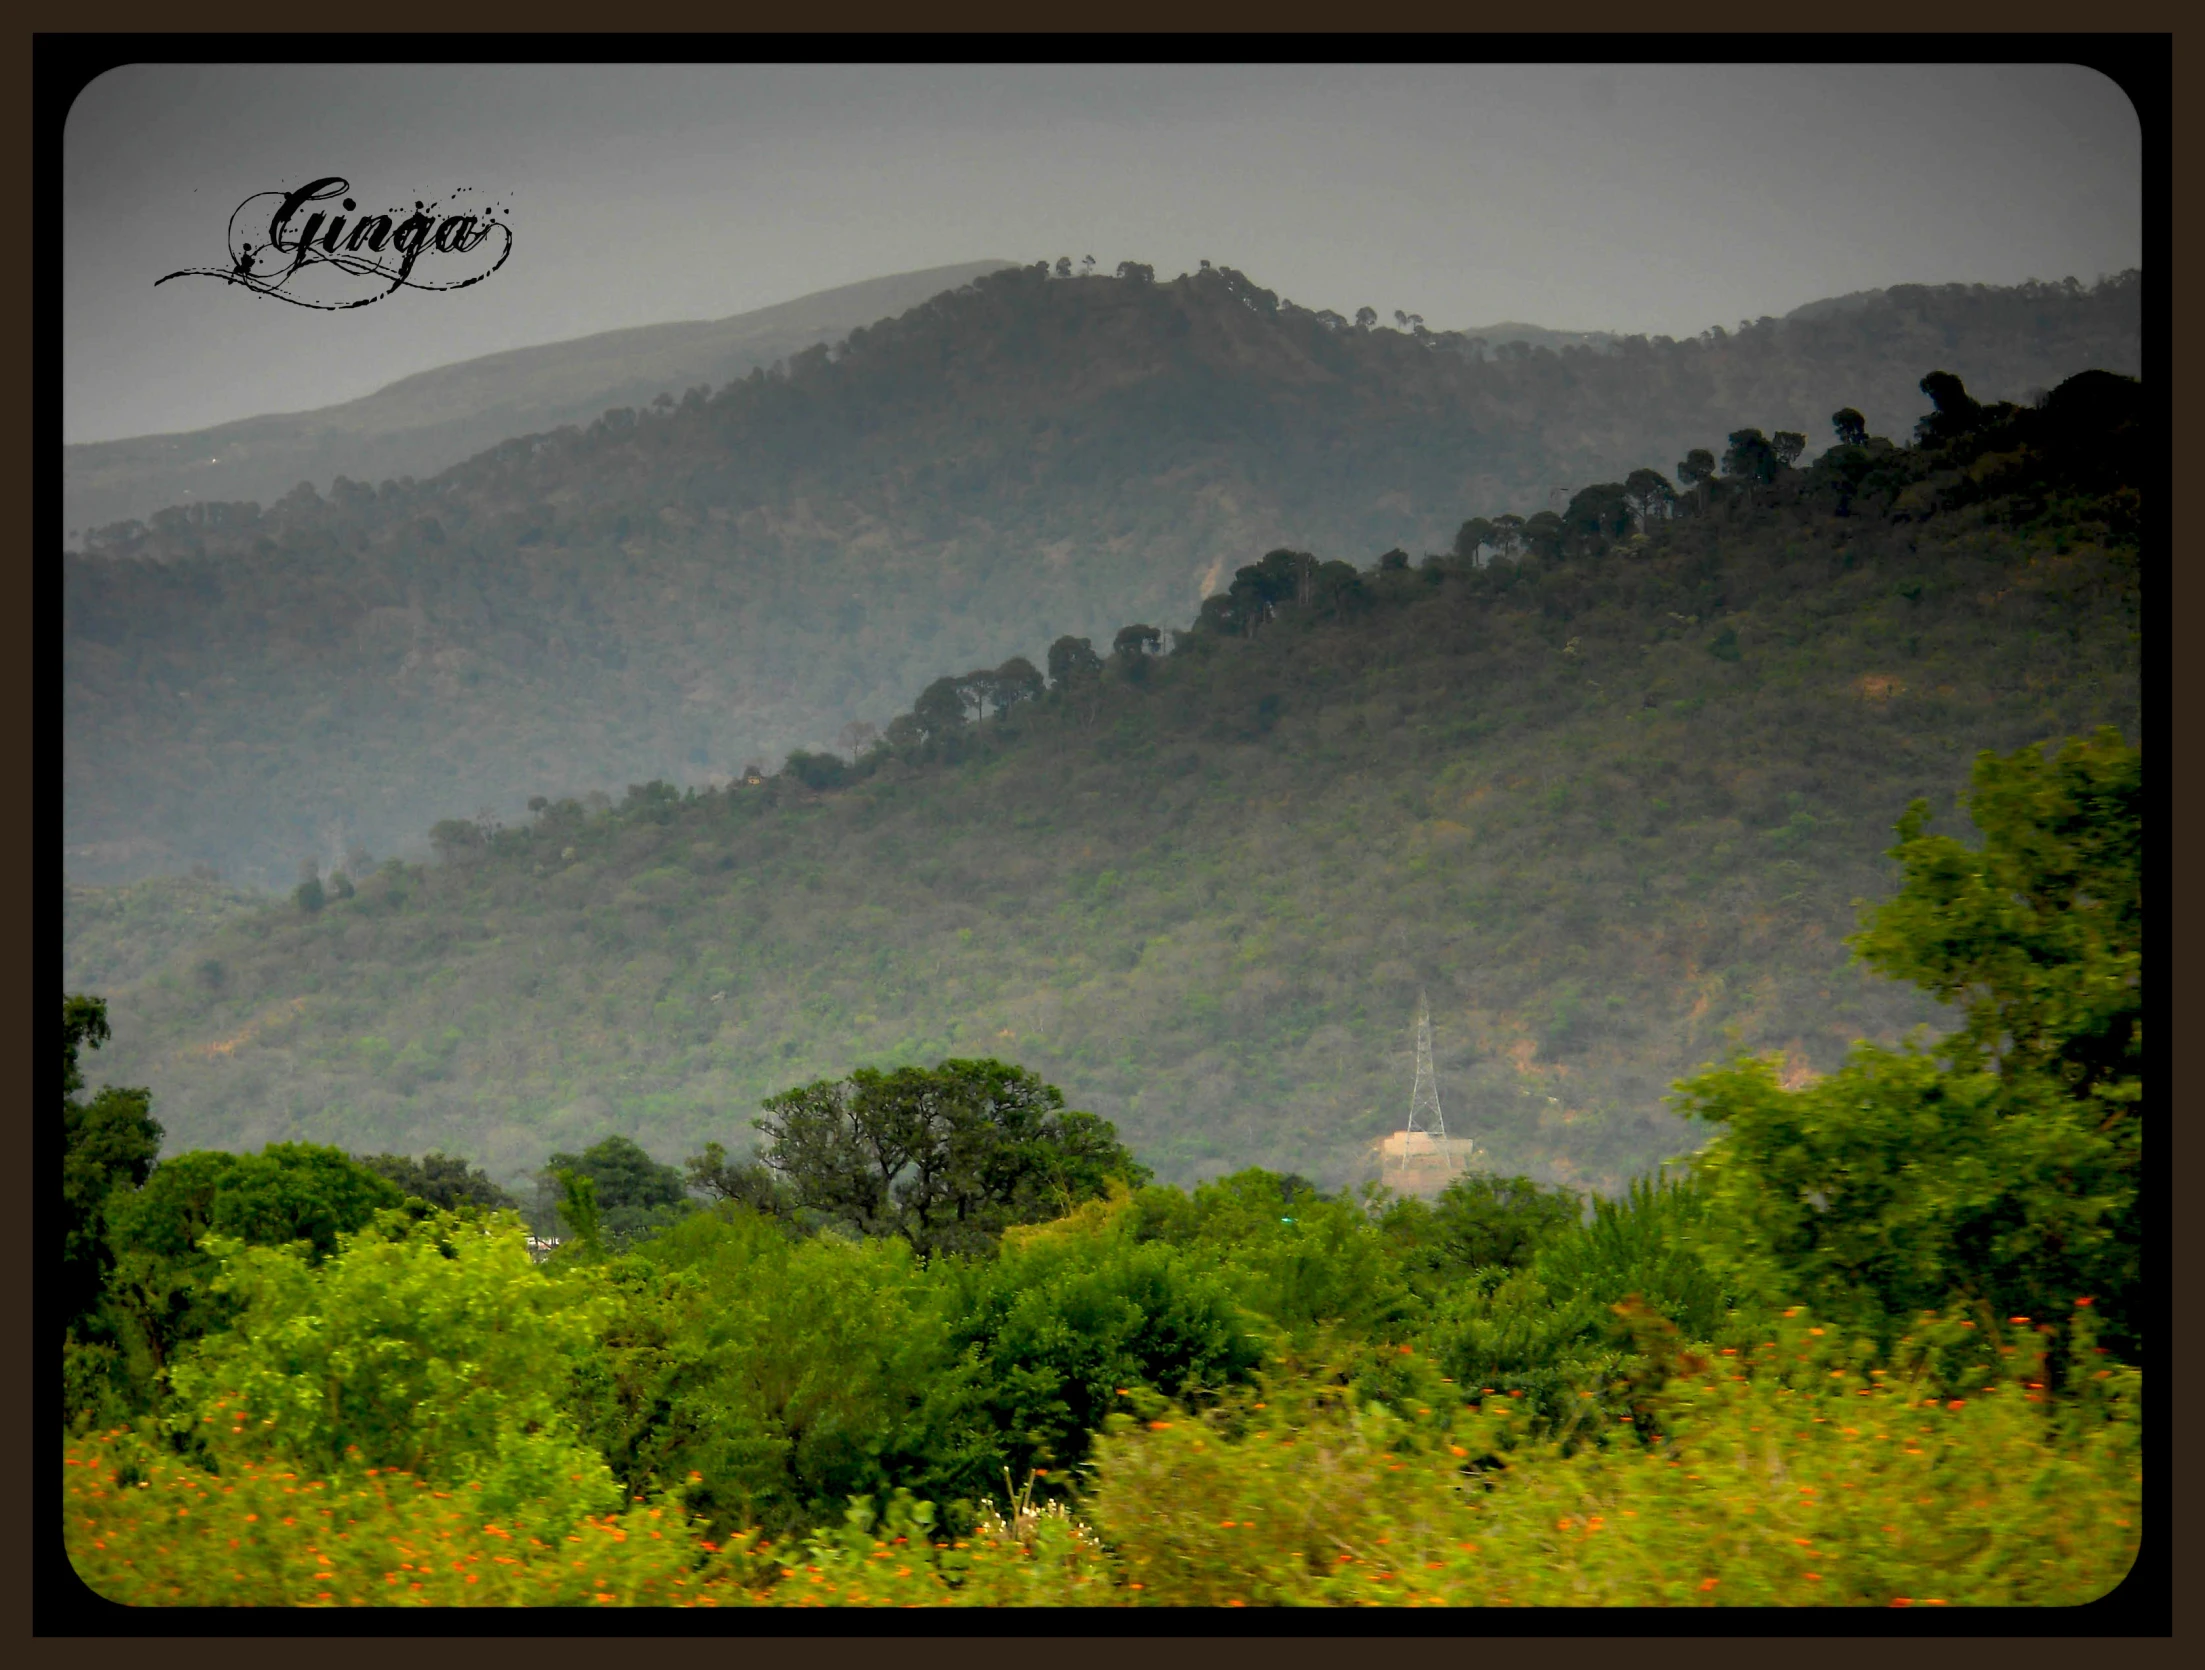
1657, 199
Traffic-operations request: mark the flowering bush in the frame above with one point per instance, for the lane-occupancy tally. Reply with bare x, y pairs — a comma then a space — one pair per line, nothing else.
147, 1529
1797, 1472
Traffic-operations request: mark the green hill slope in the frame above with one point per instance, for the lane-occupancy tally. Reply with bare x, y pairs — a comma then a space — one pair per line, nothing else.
434, 419
112, 936
1611, 804
674, 595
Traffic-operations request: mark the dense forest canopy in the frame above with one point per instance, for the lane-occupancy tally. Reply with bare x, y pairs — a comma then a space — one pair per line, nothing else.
677, 591
949, 1347
1608, 780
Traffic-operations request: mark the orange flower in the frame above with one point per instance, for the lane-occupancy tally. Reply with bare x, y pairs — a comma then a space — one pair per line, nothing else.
1709, 1584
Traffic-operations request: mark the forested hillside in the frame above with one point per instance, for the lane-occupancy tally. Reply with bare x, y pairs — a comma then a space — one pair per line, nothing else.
677, 593
434, 419
112, 936
1607, 783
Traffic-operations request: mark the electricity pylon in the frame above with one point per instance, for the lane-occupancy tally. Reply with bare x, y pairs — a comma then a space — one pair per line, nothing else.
1424, 1114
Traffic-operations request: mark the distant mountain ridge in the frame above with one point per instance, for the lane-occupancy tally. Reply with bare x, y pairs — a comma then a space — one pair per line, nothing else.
1610, 803
434, 419
1540, 336
677, 592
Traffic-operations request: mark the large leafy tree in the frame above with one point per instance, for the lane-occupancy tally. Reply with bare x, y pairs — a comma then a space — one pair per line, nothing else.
816, 771
747, 1182
947, 1157
1072, 660
1750, 456
289, 1194
1696, 470
1473, 536
1137, 642
1957, 410
1478, 1222
1061, 1327
1543, 535
1650, 495
782, 1375
2000, 1166
442, 1180
630, 1194
940, 711
1017, 680
2037, 934
1599, 513
109, 1142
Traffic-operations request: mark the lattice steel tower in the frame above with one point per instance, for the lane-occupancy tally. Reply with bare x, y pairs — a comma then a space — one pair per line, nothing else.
1424, 1114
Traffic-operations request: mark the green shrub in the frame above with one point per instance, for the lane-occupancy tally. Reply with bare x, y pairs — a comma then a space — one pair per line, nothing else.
1306, 1264
1478, 1222
2001, 1166
791, 1375
1064, 1328
437, 1347
162, 1294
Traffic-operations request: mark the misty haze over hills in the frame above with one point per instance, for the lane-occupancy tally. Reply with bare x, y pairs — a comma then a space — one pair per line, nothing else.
435, 419
1608, 799
432, 420
677, 594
